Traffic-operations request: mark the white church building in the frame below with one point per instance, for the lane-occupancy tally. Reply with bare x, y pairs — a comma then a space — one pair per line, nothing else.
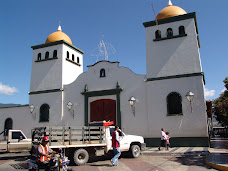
170, 95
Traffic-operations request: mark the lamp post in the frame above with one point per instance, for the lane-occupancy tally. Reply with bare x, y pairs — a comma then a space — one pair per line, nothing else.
69, 106
190, 97
132, 101
31, 108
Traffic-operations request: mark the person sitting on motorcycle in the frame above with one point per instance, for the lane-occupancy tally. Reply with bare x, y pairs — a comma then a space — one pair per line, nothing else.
44, 151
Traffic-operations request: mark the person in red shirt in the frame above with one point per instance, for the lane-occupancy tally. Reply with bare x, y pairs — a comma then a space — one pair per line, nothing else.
116, 146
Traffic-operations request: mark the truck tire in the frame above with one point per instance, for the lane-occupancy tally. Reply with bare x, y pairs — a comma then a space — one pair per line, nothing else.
81, 157
135, 151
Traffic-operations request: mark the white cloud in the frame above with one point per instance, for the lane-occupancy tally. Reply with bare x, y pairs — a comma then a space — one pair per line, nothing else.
209, 93
223, 90
4, 89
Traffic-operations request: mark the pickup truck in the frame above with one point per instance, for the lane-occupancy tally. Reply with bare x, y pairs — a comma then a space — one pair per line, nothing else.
16, 141
92, 140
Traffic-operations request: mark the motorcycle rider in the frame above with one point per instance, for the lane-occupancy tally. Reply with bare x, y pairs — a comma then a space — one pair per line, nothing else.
43, 150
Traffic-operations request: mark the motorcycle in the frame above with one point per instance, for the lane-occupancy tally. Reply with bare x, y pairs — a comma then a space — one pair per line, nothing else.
56, 162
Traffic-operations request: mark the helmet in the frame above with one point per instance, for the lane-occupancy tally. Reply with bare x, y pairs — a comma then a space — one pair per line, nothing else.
45, 138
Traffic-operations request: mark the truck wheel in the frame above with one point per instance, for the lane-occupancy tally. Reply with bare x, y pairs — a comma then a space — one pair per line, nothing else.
81, 157
135, 151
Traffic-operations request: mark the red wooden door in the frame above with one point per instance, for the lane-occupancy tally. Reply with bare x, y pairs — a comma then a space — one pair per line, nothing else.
103, 109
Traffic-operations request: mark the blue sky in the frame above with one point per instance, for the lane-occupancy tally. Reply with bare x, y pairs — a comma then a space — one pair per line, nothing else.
27, 23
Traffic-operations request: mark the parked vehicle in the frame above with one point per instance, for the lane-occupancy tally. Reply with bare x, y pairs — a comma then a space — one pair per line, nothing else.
92, 140
15, 141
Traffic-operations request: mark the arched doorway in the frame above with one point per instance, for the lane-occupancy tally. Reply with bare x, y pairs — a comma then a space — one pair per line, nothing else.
8, 126
103, 109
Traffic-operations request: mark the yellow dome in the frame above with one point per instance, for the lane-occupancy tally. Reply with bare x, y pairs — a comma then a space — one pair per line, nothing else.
170, 11
57, 36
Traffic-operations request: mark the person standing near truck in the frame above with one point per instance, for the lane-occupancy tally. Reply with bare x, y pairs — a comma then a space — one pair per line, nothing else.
116, 146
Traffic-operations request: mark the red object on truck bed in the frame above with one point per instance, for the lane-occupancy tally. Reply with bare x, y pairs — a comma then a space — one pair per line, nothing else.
101, 123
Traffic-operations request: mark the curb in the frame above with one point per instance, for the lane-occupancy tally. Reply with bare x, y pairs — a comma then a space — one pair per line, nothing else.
216, 166
203, 153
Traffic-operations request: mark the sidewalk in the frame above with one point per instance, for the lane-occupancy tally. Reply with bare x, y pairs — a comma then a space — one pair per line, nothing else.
176, 151
217, 155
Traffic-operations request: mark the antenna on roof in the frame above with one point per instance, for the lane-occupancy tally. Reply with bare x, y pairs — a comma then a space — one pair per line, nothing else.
156, 21
103, 49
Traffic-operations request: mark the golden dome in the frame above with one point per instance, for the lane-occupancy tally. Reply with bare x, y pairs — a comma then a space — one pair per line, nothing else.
170, 11
57, 36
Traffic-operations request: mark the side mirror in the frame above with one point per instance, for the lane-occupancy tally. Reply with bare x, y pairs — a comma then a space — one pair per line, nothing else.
21, 138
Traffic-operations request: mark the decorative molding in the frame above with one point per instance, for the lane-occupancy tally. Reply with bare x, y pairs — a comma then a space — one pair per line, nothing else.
172, 37
48, 59
172, 19
73, 62
177, 76
15, 106
102, 61
57, 43
88, 94
45, 91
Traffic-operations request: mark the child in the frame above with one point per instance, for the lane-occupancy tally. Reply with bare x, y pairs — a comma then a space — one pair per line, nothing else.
167, 141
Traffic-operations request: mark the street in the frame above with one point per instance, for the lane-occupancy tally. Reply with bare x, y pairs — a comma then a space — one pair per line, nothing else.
12, 162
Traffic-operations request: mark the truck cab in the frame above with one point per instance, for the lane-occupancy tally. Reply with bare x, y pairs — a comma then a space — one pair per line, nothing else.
128, 143
16, 141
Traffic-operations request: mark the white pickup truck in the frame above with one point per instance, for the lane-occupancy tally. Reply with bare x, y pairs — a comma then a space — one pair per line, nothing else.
16, 141
93, 140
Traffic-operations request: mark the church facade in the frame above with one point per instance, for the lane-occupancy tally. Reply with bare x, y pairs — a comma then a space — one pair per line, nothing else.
170, 95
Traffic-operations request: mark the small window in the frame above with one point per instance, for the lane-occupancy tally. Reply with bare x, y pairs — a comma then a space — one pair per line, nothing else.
39, 57
78, 60
102, 72
17, 135
181, 30
55, 54
158, 34
72, 57
174, 103
169, 32
68, 55
46, 55
44, 113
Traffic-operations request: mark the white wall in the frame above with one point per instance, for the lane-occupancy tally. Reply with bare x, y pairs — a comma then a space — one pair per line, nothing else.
21, 116
187, 125
46, 75
71, 71
172, 56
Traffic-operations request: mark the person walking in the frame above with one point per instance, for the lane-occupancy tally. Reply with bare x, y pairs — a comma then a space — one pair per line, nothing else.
167, 140
163, 139
116, 146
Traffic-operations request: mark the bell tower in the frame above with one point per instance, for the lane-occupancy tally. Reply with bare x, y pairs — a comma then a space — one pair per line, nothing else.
172, 46
55, 63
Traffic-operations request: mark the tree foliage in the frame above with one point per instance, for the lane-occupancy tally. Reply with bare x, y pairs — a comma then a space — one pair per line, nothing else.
220, 106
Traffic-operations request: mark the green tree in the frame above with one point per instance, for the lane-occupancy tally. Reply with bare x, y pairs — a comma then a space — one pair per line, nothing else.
220, 106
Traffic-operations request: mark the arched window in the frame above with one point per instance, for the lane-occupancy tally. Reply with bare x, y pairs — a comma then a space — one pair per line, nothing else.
78, 60
68, 55
181, 30
39, 57
158, 34
44, 113
8, 125
169, 32
55, 54
174, 103
102, 72
72, 57
46, 55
